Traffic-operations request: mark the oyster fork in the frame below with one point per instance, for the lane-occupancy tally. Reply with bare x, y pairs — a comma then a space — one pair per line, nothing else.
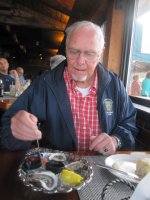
37, 141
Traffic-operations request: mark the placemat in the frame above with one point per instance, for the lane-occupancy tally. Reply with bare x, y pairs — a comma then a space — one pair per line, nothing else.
101, 177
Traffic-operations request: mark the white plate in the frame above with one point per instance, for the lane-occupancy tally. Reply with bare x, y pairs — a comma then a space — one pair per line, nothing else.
128, 162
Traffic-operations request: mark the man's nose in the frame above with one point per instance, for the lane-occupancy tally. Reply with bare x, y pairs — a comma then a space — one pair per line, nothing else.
81, 59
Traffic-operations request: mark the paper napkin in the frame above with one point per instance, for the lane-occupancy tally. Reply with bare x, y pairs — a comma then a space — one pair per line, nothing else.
142, 191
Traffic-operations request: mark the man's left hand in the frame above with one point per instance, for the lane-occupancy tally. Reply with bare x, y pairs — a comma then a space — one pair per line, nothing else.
103, 144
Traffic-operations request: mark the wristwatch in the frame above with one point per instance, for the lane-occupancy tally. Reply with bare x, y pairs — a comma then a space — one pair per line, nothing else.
118, 142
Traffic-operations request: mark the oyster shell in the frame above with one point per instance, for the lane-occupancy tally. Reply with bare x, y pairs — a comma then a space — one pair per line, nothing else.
32, 162
74, 166
58, 157
46, 179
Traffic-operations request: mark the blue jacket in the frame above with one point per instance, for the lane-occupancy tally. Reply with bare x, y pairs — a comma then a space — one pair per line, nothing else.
47, 99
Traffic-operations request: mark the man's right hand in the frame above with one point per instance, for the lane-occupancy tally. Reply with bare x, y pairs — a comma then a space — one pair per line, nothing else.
24, 126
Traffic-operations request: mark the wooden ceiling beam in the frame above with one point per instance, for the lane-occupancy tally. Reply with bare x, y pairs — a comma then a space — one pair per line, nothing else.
5, 4
43, 9
60, 5
21, 21
22, 15
15, 38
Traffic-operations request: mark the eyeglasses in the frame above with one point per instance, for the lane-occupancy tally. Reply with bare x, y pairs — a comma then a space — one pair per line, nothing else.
88, 55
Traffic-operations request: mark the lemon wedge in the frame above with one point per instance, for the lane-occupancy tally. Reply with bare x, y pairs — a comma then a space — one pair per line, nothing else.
71, 177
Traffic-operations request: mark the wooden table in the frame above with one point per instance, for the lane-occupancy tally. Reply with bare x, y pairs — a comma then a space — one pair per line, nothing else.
11, 188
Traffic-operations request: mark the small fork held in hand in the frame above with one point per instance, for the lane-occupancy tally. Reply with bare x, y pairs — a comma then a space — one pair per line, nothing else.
38, 146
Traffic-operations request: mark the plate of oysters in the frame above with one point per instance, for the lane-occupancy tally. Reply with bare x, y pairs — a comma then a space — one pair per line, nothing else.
52, 171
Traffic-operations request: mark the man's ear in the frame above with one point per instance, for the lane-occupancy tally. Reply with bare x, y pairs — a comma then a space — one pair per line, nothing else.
101, 53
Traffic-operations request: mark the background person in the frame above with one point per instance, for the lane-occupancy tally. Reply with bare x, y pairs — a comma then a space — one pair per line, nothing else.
96, 113
56, 60
135, 86
146, 86
20, 72
7, 79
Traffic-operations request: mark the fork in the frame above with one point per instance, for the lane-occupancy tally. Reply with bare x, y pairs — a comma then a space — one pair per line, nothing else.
128, 174
37, 141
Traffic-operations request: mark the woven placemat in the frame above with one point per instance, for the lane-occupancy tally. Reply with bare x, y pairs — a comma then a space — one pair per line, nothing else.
101, 177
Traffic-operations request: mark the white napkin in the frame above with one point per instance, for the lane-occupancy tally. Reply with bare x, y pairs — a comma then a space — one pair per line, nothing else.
142, 191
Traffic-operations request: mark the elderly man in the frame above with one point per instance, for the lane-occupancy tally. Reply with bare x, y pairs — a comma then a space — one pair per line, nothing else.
7, 79
80, 105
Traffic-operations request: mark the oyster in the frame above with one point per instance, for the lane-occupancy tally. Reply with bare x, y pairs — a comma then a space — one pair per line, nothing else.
32, 162
58, 157
54, 166
47, 180
75, 165
80, 167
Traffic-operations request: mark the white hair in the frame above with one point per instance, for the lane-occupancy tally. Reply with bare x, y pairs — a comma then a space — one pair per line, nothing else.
87, 25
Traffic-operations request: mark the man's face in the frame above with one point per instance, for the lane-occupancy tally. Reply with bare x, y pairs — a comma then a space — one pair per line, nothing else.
83, 55
20, 72
4, 65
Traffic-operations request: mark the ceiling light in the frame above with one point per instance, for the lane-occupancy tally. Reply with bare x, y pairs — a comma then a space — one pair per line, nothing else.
37, 43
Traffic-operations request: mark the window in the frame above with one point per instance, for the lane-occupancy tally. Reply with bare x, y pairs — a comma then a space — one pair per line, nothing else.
138, 76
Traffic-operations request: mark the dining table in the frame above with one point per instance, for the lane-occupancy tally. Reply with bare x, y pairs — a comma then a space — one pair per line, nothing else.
12, 188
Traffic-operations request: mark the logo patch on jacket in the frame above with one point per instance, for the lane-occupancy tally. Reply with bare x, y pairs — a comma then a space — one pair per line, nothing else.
108, 105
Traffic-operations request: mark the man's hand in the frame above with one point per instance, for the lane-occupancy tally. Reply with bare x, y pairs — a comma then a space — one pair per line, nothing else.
24, 126
17, 81
14, 72
103, 144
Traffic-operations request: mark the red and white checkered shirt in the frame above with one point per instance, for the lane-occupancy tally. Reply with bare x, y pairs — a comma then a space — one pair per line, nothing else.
84, 110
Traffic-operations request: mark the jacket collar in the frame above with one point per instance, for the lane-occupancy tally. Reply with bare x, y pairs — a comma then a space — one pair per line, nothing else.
56, 75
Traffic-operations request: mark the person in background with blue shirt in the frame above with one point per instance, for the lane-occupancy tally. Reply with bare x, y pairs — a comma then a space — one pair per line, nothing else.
6, 78
146, 86
20, 72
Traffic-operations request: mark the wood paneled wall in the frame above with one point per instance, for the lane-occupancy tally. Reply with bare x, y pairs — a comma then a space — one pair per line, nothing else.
114, 38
